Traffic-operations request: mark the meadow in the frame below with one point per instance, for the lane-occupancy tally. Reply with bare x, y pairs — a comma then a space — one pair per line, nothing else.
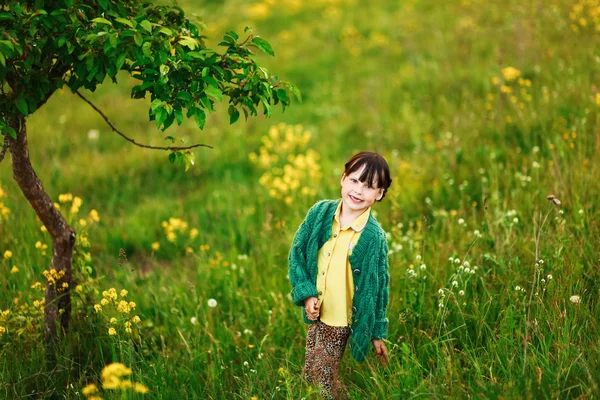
489, 116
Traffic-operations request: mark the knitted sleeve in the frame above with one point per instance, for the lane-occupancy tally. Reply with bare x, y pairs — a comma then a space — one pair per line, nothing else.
299, 271
380, 327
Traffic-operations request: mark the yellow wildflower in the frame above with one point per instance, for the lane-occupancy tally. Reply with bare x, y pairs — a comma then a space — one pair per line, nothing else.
193, 233
36, 303
65, 285
14, 269
104, 302
132, 304
123, 307
7, 254
140, 388
598, 99
113, 320
65, 197
97, 307
36, 285
2, 330
155, 246
89, 389
43, 228
125, 384
124, 293
112, 331
82, 222
136, 319
78, 288
75, 205
510, 73
93, 215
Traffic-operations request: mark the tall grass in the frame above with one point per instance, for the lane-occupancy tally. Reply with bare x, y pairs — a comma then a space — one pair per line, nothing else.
421, 82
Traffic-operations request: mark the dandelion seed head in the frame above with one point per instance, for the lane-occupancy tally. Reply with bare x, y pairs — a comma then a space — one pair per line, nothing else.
212, 303
575, 299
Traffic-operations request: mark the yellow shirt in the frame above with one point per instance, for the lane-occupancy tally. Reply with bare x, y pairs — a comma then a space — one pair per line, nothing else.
334, 280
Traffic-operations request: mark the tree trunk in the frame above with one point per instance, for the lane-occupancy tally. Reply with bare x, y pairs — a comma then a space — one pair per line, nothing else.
57, 310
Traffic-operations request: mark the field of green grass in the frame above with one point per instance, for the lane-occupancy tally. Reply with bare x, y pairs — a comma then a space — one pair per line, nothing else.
482, 109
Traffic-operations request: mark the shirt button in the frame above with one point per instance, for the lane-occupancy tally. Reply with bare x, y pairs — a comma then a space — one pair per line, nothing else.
323, 272
335, 235
356, 271
353, 309
320, 293
328, 254
355, 289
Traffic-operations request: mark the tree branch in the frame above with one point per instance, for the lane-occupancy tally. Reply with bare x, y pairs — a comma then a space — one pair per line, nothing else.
4, 147
133, 141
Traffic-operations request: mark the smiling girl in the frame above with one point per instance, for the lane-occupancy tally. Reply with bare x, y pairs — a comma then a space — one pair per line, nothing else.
338, 268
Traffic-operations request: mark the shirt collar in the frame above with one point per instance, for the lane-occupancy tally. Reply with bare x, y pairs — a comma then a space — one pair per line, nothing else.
359, 223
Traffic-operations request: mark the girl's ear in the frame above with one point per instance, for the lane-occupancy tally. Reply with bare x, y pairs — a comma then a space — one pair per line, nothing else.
342, 180
379, 197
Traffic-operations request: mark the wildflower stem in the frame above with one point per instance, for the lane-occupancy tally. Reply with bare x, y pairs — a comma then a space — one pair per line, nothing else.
533, 285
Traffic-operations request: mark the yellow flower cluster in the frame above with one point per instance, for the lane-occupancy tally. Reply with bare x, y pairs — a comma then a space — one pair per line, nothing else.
174, 225
112, 379
7, 254
53, 276
42, 246
585, 15
3, 315
4, 211
512, 86
110, 298
287, 169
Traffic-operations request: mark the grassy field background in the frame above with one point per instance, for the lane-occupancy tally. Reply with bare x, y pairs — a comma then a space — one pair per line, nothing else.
482, 110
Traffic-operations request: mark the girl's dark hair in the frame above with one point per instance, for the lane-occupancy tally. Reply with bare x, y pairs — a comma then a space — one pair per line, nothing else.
376, 172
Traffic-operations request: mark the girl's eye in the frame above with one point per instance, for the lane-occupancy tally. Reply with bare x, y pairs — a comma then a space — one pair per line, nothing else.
353, 180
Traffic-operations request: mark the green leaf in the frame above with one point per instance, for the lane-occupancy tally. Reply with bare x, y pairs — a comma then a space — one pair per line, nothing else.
22, 106
120, 60
2, 60
184, 95
179, 116
172, 157
234, 114
11, 132
295, 91
171, 138
146, 25
125, 22
155, 104
214, 92
188, 159
166, 31
146, 49
103, 4
137, 38
200, 118
211, 81
100, 20
263, 45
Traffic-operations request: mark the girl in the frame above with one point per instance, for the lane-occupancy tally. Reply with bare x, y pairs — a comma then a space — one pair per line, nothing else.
338, 268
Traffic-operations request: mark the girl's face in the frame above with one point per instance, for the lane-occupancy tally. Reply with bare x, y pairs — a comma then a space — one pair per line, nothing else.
358, 196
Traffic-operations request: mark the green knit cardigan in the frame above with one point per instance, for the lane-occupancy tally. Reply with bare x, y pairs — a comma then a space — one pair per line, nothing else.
369, 261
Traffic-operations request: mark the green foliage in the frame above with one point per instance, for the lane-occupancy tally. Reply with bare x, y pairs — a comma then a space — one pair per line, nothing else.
46, 45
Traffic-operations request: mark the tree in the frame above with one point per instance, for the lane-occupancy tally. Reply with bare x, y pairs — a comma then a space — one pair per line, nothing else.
47, 44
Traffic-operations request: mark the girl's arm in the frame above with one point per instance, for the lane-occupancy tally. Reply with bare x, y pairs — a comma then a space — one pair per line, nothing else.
299, 272
381, 322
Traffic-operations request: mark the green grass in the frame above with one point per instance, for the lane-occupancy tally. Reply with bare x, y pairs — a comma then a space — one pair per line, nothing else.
410, 80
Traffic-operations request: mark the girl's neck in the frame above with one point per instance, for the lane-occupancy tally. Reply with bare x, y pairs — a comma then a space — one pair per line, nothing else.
347, 217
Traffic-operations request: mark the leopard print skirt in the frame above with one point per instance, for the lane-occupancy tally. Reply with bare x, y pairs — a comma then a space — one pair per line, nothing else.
325, 347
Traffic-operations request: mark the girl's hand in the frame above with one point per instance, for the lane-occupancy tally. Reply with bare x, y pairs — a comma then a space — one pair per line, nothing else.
311, 305
381, 351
